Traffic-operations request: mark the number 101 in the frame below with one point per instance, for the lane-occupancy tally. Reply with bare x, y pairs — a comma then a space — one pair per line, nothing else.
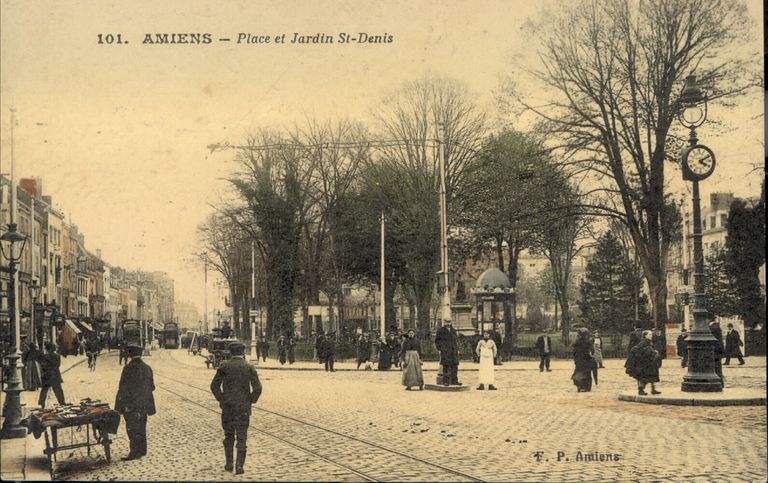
110, 39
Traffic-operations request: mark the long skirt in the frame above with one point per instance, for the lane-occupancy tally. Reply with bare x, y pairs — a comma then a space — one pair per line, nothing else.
486, 375
412, 373
31, 376
582, 378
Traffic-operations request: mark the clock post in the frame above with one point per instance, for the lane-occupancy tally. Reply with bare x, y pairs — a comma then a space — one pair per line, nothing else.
698, 163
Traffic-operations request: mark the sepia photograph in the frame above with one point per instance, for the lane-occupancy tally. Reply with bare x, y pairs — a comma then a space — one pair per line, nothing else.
383, 240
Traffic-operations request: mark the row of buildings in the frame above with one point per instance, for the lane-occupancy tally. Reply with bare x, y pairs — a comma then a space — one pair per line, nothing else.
80, 290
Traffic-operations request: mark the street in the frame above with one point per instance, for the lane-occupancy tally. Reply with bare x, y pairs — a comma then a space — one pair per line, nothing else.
362, 426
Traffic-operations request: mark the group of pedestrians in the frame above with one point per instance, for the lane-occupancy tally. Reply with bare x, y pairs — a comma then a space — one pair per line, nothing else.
286, 350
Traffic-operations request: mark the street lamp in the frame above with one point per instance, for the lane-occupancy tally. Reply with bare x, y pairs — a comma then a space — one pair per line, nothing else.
698, 163
11, 248
34, 294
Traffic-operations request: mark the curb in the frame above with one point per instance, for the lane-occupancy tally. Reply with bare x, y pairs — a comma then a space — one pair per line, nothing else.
692, 401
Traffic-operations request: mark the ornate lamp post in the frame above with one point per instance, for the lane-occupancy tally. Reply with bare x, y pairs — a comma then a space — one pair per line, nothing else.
34, 294
698, 163
11, 248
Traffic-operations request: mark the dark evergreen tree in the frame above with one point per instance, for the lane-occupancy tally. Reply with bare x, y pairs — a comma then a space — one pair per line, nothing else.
608, 297
719, 285
745, 247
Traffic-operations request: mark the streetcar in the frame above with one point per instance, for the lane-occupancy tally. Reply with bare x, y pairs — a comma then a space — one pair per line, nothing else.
132, 332
170, 335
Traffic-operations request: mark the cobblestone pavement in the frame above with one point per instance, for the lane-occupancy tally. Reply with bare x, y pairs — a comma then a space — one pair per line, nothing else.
434, 436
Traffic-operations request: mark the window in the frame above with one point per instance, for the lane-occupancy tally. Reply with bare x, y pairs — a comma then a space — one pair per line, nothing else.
712, 222
703, 223
723, 220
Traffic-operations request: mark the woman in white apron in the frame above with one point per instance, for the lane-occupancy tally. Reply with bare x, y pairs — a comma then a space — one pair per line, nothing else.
486, 348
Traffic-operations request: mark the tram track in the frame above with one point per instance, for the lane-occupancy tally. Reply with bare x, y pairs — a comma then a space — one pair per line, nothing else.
304, 436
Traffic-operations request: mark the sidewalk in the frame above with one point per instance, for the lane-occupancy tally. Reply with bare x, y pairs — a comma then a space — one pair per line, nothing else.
23, 458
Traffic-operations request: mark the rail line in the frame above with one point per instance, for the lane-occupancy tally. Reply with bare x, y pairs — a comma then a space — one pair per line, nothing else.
400, 454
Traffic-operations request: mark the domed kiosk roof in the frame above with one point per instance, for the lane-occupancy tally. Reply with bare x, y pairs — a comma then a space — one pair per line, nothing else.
492, 278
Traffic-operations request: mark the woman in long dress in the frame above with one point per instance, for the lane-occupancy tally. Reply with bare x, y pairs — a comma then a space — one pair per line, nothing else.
582, 357
487, 351
31, 370
412, 373
385, 355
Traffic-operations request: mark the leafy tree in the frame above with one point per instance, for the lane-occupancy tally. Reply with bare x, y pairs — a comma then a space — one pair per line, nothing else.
611, 73
608, 289
722, 298
509, 193
745, 254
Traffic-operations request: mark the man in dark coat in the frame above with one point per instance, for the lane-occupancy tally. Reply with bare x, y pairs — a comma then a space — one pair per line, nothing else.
327, 352
123, 353
282, 349
264, 346
135, 401
733, 345
447, 342
473, 343
236, 386
544, 346
659, 341
50, 374
291, 349
497, 340
396, 345
634, 338
226, 331
682, 347
363, 350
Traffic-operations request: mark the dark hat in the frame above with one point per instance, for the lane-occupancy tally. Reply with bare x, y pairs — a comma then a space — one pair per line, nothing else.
134, 349
237, 348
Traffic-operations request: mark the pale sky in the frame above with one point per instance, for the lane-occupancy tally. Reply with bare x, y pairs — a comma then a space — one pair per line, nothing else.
119, 132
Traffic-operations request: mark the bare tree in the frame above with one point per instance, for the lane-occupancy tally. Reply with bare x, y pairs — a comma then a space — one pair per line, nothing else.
611, 73
413, 117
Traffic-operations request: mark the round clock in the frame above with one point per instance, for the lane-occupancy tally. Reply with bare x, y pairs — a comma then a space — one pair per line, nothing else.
699, 162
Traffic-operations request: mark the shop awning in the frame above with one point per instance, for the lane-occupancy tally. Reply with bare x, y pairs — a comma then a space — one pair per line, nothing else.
72, 326
87, 326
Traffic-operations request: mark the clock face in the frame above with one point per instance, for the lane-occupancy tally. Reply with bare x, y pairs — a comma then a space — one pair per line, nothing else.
700, 161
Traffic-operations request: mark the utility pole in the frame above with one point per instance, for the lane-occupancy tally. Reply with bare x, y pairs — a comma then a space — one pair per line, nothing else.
446, 295
252, 311
383, 281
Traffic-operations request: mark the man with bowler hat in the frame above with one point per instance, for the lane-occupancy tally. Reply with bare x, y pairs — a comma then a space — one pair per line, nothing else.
236, 386
447, 342
135, 401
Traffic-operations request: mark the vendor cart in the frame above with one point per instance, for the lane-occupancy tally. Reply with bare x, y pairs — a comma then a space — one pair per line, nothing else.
92, 417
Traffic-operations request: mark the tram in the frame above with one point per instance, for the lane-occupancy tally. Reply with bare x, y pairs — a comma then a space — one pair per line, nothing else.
132, 332
171, 335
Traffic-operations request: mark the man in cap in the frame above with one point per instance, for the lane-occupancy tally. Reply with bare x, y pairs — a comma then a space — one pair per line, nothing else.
236, 386
135, 401
50, 367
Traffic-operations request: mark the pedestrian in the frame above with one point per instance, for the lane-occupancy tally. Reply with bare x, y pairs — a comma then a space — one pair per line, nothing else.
733, 344
385, 355
50, 375
717, 349
236, 387
411, 362
395, 347
282, 350
682, 347
123, 353
544, 346
135, 401
487, 350
31, 377
363, 350
327, 352
473, 343
264, 345
643, 364
582, 358
597, 342
447, 342
496, 336
291, 350
226, 331
258, 350
659, 341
